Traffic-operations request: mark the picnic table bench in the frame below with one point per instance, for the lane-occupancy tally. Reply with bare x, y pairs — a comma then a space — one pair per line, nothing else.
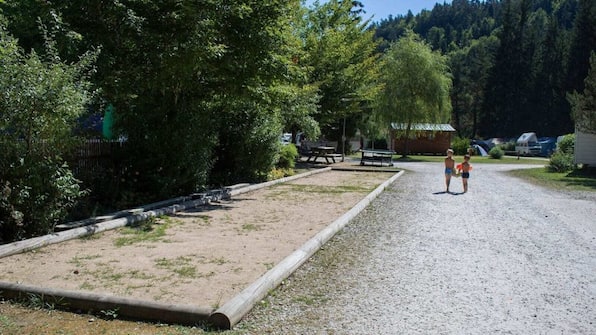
376, 157
322, 152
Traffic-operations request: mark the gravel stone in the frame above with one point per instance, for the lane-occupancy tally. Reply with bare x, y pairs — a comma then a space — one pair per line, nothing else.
508, 257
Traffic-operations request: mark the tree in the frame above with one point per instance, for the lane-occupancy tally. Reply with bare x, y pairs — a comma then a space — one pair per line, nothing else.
584, 104
198, 87
416, 85
583, 43
41, 98
470, 66
506, 108
342, 55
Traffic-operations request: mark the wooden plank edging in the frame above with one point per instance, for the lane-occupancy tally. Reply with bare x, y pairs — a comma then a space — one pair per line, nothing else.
131, 308
277, 181
232, 311
42, 241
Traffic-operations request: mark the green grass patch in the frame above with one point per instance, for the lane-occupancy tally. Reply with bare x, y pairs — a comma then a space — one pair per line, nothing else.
146, 231
79, 260
310, 300
219, 261
6, 323
250, 227
180, 266
578, 180
325, 189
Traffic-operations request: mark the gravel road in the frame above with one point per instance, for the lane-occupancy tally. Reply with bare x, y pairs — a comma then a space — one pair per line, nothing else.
507, 257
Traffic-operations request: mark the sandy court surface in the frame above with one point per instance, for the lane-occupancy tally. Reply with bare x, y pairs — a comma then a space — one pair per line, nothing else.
202, 257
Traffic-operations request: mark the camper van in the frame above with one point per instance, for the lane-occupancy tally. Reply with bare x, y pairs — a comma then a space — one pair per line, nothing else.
527, 145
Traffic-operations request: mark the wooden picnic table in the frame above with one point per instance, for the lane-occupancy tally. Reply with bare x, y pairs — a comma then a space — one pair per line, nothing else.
375, 156
324, 152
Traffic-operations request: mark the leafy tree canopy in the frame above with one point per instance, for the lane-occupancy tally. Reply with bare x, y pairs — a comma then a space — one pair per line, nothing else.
584, 104
416, 84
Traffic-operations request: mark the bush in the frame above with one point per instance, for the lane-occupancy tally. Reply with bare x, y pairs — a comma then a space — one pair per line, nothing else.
287, 157
508, 146
561, 162
567, 144
42, 99
36, 194
460, 145
496, 152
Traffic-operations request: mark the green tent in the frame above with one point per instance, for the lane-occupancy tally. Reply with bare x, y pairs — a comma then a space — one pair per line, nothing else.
108, 121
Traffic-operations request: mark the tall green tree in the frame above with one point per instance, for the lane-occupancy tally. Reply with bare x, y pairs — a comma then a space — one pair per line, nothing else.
341, 53
416, 85
506, 108
198, 86
551, 114
470, 69
583, 43
584, 103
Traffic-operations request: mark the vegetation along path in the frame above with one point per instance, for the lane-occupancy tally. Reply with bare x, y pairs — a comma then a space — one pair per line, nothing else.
508, 257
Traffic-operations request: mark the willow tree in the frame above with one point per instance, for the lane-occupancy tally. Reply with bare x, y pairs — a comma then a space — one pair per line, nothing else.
416, 85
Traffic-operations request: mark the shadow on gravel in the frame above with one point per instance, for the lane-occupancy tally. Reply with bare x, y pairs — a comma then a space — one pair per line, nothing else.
452, 193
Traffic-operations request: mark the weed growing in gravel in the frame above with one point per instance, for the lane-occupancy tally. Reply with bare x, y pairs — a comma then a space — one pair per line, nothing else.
179, 266
202, 220
79, 261
110, 314
136, 274
250, 227
6, 322
286, 189
36, 301
86, 286
304, 299
146, 231
219, 261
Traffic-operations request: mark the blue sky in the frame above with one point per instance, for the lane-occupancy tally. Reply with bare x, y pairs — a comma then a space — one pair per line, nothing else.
383, 8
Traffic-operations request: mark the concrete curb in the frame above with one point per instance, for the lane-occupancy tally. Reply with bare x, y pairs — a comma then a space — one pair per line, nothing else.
231, 312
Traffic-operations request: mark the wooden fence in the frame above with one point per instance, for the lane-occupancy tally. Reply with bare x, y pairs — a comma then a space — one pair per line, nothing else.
95, 155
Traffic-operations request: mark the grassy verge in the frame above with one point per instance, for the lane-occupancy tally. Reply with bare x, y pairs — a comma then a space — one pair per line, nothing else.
578, 180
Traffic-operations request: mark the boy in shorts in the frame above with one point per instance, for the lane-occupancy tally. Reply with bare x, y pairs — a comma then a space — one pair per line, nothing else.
465, 169
449, 166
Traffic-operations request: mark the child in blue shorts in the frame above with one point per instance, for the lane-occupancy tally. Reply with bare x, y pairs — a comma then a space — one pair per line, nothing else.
449, 167
465, 169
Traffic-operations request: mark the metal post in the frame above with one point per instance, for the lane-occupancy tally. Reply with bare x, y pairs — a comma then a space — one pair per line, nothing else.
343, 141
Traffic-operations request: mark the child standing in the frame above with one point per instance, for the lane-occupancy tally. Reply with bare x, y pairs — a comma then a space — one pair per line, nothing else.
449, 166
465, 169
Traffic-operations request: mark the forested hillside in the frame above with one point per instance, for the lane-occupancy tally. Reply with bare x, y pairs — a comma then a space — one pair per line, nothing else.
513, 62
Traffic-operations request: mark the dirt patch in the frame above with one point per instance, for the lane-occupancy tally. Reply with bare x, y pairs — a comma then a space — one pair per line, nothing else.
202, 257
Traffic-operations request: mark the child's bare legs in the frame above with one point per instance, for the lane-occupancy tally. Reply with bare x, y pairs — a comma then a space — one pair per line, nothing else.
465, 181
447, 181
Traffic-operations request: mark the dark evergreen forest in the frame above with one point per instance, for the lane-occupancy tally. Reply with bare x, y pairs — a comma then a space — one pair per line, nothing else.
513, 62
